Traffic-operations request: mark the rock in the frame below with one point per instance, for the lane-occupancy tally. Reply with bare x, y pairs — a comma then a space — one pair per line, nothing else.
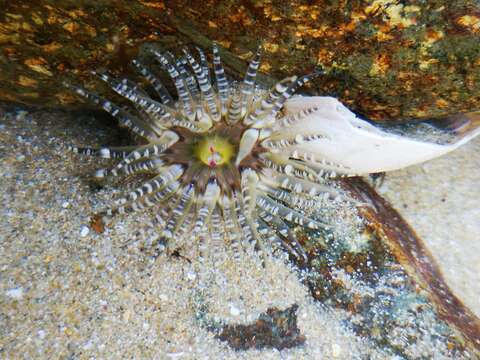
386, 60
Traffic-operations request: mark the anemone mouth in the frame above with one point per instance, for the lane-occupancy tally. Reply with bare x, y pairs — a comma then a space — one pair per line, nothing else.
222, 160
197, 153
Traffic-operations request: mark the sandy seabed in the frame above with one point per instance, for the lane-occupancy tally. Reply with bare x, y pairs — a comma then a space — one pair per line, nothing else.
68, 292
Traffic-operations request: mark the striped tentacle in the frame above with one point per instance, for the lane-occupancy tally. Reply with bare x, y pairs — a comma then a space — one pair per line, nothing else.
185, 98
216, 234
162, 179
291, 199
165, 198
262, 116
124, 205
86, 151
152, 149
140, 99
308, 189
134, 124
232, 229
284, 232
303, 194
159, 126
163, 213
116, 152
129, 87
202, 243
269, 233
248, 85
161, 90
284, 165
160, 122
131, 91
204, 63
187, 225
303, 167
248, 228
286, 93
246, 233
140, 167
277, 209
221, 80
235, 107
188, 77
206, 205
265, 115
179, 212
154, 109
132, 86
205, 208
206, 89
323, 168
133, 168
249, 186
186, 125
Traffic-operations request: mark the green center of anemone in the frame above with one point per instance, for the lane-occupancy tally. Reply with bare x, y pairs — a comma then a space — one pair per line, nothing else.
214, 151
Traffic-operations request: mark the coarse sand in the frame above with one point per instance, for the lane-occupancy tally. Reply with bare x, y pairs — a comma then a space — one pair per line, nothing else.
68, 292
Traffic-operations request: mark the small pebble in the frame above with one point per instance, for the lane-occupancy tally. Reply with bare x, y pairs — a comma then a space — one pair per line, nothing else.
336, 350
191, 275
88, 345
65, 204
175, 355
16, 293
234, 311
21, 114
84, 230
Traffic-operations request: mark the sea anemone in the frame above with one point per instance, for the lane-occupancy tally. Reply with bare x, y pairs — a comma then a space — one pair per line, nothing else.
226, 160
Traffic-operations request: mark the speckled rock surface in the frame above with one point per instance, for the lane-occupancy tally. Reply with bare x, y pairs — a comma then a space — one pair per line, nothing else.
69, 292
386, 59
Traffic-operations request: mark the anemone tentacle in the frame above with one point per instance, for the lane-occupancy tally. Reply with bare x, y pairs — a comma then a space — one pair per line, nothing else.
221, 80
161, 90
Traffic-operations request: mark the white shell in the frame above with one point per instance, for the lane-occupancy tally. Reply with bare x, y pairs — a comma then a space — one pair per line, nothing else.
355, 143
